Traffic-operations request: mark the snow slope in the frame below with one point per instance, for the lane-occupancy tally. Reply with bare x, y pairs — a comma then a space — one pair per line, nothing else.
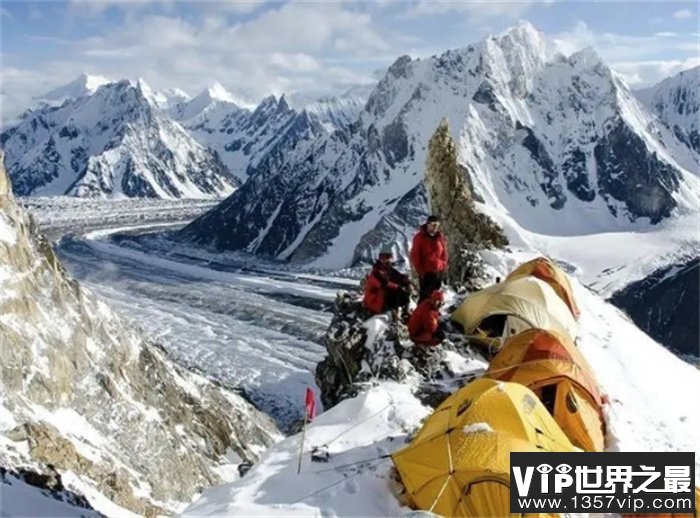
648, 412
19, 499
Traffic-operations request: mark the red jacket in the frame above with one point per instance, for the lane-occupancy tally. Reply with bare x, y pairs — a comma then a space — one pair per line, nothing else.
429, 253
380, 279
424, 321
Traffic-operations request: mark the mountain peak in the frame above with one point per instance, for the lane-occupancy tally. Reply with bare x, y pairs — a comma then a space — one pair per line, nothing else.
217, 92
522, 38
587, 56
84, 84
523, 30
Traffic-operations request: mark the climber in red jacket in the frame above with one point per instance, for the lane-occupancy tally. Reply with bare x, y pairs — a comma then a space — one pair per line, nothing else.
386, 288
424, 326
429, 257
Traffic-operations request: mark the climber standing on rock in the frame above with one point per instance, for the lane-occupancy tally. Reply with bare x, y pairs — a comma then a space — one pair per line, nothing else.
429, 257
386, 288
424, 326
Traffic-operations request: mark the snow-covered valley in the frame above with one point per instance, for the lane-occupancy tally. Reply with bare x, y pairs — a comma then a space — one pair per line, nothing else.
255, 331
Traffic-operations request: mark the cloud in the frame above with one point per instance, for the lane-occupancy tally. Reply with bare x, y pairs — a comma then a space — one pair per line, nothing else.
682, 14
615, 47
252, 56
94, 8
477, 10
5, 13
19, 85
644, 73
630, 55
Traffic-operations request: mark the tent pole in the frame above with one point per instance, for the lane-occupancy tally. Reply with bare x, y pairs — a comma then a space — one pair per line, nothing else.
301, 446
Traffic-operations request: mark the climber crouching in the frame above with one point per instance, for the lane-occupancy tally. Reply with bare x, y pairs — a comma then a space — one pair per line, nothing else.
425, 327
386, 288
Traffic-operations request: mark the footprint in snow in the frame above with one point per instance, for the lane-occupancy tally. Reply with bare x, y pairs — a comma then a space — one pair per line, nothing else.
328, 513
351, 486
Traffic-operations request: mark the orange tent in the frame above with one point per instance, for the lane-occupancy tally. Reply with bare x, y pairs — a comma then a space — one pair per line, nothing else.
554, 369
546, 270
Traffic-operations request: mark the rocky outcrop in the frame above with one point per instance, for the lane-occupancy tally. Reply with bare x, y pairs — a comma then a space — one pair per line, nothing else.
665, 305
363, 348
466, 229
84, 392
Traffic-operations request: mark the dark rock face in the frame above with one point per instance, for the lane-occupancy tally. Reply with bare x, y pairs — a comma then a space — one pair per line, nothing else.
628, 173
486, 95
395, 227
263, 216
576, 175
665, 305
549, 182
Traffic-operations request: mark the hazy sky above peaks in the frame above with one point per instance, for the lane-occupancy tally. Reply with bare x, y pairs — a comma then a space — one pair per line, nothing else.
259, 48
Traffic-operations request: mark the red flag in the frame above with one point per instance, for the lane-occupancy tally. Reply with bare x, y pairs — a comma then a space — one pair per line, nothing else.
310, 404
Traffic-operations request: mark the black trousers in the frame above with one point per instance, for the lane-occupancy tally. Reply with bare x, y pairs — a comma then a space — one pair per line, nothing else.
429, 283
394, 299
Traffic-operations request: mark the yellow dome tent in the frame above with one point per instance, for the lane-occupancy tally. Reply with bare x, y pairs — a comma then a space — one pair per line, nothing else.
554, 369
546, 270
521, 304
459, 462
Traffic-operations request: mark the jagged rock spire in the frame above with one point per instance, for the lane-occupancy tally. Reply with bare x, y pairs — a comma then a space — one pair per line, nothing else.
451, 198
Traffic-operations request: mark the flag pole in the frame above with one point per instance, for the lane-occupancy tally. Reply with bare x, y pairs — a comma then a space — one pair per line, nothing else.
301, 447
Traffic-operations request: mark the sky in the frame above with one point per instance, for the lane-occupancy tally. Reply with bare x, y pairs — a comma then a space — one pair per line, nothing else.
257, 48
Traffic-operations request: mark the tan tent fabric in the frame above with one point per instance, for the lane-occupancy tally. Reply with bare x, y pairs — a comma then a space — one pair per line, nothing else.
546, 270
458, 464
553, 367
528, 302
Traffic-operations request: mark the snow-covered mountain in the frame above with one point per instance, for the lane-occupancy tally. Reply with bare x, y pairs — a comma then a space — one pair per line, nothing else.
85, 393
334, 111
81, 86
241, 137
557, 145
114, 142
168, 98
676, 100
208, 108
